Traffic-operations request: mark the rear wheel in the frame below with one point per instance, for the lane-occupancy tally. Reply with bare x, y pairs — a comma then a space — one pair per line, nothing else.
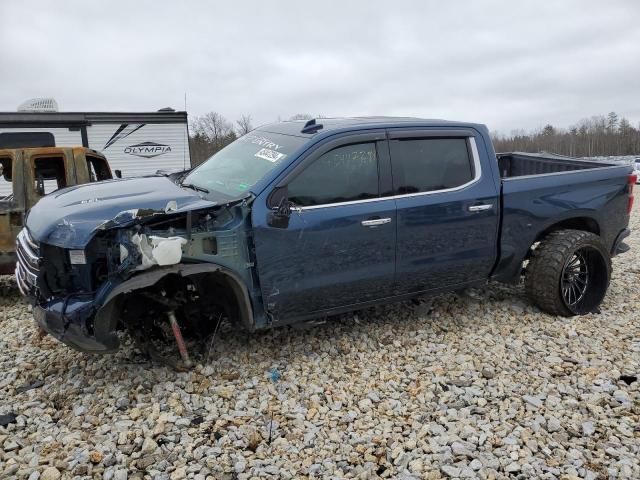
568, 273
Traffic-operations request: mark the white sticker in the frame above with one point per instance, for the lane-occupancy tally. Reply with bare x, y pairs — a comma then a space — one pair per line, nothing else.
270, 155
77, 257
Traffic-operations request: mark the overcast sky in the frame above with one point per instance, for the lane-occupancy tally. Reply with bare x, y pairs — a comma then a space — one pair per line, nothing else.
508, 64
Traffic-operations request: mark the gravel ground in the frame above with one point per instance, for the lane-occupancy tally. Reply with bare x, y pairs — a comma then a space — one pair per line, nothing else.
479, 385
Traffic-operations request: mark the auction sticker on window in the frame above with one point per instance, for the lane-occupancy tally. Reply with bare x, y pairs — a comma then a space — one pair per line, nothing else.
270, 155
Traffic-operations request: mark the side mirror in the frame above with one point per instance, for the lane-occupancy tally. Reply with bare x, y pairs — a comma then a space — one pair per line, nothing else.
280, 212
118, 173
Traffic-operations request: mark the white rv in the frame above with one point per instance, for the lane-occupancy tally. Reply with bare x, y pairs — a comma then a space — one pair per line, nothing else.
134, 143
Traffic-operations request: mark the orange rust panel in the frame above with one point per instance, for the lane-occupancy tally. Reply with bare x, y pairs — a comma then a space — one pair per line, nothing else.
24, 194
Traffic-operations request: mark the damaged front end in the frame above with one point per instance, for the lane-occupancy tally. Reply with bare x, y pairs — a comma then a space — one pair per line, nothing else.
182, 266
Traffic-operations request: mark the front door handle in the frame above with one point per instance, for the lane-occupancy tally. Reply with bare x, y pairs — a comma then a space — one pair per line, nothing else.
480, 208
374, 222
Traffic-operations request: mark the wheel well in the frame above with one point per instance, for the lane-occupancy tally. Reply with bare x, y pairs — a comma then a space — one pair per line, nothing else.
198, 297
221, 284
579, 223
585, 224
186, 288
513, 270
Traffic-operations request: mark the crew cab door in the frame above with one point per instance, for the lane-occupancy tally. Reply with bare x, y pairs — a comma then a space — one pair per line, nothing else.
447, 209
338, 248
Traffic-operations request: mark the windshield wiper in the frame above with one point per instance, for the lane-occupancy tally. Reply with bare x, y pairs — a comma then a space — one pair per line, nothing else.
194, 187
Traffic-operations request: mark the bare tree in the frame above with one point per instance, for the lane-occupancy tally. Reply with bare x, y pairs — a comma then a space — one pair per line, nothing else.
244, 125
612, 122
215, 128
211, 132
200, 148
624, 127
301, 116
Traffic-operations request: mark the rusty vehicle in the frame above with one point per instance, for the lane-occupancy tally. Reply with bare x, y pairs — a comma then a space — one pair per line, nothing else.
28, 174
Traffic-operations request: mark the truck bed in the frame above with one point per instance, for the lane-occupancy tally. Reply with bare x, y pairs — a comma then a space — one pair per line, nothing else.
518, 164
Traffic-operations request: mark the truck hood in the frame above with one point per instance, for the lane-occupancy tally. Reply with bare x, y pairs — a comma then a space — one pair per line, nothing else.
69, 217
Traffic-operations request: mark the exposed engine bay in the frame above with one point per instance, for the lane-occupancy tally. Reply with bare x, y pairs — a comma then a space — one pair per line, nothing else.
149, 273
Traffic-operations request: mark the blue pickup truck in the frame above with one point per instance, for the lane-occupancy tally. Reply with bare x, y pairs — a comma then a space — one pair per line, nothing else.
296, 220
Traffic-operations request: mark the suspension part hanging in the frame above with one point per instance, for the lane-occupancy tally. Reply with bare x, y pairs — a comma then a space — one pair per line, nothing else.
179, 340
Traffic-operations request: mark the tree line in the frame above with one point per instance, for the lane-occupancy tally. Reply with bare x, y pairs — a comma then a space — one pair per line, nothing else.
600, 135
212, 132
597, 136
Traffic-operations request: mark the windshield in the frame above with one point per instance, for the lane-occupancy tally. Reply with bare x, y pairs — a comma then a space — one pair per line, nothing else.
236, 168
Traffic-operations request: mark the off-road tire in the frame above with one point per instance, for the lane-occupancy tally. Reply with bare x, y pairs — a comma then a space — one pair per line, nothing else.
546, 266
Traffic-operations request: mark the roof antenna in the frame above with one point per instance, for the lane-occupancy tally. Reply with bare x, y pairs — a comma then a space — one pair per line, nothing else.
311, 126
186, 139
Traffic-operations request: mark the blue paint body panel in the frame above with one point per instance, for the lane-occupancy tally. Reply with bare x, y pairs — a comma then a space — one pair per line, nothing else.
325, 259
69, 217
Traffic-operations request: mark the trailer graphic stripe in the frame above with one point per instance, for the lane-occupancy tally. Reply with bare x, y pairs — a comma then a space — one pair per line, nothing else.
118, 136
112, 139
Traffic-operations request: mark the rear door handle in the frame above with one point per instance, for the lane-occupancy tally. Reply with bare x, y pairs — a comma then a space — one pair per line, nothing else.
374, 222
480, 208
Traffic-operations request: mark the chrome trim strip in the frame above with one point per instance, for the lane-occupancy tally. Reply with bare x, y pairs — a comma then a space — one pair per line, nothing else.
33, 262
19, 282
24, 244
24, 283
28, 277
478, 175
340, 204
25, 264
29, 240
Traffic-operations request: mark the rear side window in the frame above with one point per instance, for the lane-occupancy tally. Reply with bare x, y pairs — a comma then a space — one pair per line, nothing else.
49, 174
98, 169
26, 139
430, 164
341, 175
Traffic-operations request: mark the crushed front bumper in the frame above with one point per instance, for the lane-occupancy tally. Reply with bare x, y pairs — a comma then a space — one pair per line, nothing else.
72, 321
90, 322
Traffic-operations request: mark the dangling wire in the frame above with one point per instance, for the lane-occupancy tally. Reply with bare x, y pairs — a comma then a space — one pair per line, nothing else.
213, 337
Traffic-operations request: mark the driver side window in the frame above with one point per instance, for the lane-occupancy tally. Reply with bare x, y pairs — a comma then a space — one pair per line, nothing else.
343, 174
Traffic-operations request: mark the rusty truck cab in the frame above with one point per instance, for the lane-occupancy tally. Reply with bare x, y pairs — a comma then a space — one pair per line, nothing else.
28, 174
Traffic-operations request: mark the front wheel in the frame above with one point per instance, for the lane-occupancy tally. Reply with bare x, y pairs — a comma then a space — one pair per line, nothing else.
568, 273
